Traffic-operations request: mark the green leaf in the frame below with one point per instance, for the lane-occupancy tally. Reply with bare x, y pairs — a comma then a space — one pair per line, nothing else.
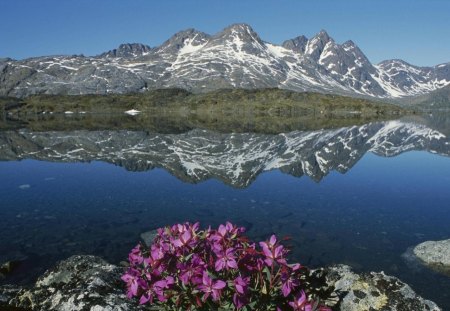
264, 288
189, 256
268, 274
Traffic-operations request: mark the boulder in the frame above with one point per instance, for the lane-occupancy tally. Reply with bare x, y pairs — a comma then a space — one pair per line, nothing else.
434, 254
148, 237
77, 284
373, 291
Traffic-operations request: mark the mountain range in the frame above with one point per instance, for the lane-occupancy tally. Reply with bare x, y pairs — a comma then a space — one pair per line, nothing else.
233, 58
234, 158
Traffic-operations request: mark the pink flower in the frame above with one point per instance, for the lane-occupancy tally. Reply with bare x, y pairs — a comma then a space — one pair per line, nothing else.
240, 298
188, 268
241, 284
147, 296
135, 257
161, 285
210, 287
273, 252
226, 260
289, 282
239, 301
193, 271
183, 240
300, 302
134, 282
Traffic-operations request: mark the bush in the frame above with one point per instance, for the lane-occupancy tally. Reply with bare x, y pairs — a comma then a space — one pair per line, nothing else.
191, 269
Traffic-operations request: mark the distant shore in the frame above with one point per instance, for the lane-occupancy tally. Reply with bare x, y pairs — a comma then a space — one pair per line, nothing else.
273, 102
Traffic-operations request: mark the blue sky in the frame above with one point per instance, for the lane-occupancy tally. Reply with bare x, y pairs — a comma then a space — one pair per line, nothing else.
417, 31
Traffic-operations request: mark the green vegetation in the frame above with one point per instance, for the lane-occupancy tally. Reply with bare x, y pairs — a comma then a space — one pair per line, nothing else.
177, 110
236, 101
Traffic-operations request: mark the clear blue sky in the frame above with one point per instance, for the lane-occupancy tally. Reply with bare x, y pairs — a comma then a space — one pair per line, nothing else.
417, 31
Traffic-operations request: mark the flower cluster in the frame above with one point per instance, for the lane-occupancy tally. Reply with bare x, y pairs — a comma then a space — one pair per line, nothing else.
191, 269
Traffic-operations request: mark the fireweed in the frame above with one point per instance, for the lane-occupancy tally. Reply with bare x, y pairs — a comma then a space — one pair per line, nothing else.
191, 269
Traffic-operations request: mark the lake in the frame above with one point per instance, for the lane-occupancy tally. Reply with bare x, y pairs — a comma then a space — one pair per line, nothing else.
358, 193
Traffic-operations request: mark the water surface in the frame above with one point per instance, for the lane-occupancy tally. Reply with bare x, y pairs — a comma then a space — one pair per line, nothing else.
355, 194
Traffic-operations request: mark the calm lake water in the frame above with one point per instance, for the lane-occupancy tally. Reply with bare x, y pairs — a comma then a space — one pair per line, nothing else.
356, 194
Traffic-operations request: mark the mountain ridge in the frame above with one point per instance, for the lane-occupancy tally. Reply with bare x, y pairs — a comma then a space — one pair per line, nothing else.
235, 57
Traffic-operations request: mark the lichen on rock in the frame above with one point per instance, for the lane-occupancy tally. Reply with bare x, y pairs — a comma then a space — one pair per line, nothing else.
77, 284
82, 283
374, 291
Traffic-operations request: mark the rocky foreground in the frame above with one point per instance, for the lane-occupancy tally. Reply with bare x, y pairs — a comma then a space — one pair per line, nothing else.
90, 283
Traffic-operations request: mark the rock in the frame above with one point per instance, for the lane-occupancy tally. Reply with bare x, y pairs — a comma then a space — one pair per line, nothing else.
78, 283
147, 237
435, 254
8, 267
373, 291
8, 292
83, 283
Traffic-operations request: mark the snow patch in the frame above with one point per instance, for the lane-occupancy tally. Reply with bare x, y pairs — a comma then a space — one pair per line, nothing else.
276, 50
189, 47
132, 112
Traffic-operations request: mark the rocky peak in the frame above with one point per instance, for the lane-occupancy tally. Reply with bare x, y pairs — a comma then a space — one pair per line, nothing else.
395, 63
239, 32
180, 39
442, 72
128, 50
349, 44
350, 47
240, 28
316, 44
297, 44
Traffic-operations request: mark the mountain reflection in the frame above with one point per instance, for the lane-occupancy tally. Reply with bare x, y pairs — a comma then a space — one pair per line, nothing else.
234, 158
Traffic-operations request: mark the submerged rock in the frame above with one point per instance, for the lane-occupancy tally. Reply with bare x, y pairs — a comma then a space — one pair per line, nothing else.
435, 254
89, 283
8, 267
148, 237
373, 291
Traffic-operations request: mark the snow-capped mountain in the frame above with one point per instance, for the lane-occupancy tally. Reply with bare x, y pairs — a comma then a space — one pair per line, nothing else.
233, 58
236, 159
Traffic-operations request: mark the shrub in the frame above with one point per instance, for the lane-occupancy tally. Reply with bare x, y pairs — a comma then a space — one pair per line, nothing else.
191, 269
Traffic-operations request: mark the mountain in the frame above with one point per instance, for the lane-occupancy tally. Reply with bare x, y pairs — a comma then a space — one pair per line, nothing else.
128, 50
236, 159
236, 57
438, 99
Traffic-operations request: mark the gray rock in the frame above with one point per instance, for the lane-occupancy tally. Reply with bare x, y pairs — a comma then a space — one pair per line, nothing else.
7, 293
89, 283
374, 291
298, 44
128, 50
78, 283
148, 237
8, 267
435, 254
